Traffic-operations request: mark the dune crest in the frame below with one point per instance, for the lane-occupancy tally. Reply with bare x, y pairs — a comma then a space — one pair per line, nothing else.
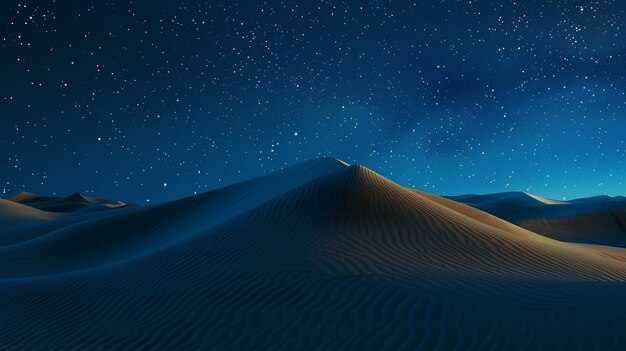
547, 201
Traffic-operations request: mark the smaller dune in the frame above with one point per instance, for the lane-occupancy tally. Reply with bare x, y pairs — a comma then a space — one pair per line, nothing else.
26, 197
73, 203
597, 220
11, 211
77, 197
513, 198
599, 199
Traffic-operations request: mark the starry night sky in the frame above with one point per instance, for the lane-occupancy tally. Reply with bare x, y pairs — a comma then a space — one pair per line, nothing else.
156, 100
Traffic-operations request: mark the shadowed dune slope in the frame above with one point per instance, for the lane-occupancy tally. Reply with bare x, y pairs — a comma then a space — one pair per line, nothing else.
603, 228
320, 256
85, 214
92, 240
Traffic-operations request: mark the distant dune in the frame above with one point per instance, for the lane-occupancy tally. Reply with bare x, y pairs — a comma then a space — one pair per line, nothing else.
322, 255
26, 197
596, 220
71, 203
17, 213
514, 198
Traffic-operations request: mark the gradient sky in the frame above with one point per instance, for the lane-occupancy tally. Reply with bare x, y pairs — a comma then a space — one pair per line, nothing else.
156, 100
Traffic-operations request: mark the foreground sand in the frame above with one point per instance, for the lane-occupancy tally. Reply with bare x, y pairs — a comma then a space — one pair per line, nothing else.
319, 256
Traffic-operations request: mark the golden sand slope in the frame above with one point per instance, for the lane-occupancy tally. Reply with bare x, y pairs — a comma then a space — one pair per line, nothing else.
426, 232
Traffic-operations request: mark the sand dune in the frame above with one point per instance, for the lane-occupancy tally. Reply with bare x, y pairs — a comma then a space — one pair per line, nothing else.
604, 228
322, 255
13, 213
71, 203
599, 199
27, 215
513, 198
26, 197
595, 220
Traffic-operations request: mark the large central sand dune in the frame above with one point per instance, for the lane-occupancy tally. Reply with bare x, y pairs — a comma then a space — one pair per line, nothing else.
319, 256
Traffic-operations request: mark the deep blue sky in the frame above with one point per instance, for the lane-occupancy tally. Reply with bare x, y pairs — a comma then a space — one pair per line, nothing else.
157, 100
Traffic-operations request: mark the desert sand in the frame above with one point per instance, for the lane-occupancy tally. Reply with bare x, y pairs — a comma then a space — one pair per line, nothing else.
595, 220
322, 255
